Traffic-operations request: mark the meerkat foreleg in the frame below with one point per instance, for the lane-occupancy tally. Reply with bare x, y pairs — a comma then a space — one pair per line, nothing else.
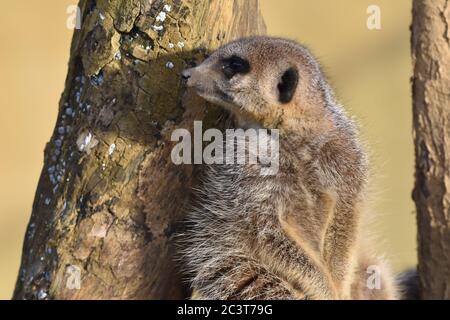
241, 278
306, 231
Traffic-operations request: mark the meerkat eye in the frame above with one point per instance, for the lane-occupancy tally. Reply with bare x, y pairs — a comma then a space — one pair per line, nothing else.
287, 85
234, 65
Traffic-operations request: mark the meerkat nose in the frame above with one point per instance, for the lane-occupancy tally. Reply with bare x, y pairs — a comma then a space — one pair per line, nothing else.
186, 74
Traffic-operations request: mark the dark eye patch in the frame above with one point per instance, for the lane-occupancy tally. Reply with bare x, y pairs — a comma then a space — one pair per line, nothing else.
235, 65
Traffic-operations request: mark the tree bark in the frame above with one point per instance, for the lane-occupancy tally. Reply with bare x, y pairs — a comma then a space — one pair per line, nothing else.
431, 109
109, 197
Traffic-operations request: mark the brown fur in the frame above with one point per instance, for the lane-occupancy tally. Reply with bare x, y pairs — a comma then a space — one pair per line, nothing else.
293, 235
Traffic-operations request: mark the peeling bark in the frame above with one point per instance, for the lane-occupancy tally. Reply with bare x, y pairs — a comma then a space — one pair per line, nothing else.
431, 93
109, 197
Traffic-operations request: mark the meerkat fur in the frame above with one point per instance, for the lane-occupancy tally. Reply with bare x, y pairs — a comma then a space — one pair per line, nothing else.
295, 234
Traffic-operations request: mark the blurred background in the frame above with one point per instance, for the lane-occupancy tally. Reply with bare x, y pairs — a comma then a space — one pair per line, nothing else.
369, 69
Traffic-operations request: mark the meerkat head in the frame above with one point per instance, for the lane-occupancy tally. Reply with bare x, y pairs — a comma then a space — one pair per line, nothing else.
263, 81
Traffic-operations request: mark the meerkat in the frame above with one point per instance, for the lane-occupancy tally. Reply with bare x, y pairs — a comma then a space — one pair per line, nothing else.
295, 234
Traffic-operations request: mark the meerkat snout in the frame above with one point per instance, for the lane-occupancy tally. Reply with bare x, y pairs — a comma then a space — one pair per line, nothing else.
192, 77
185, 74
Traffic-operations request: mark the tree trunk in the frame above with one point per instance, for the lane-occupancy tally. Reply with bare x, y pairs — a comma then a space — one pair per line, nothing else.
431, 93
109, 197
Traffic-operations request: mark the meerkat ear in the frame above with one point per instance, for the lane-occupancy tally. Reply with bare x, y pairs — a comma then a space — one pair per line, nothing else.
287, 85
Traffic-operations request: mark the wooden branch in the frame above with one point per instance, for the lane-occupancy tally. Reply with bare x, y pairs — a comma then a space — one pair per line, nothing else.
431, 93
109, 196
